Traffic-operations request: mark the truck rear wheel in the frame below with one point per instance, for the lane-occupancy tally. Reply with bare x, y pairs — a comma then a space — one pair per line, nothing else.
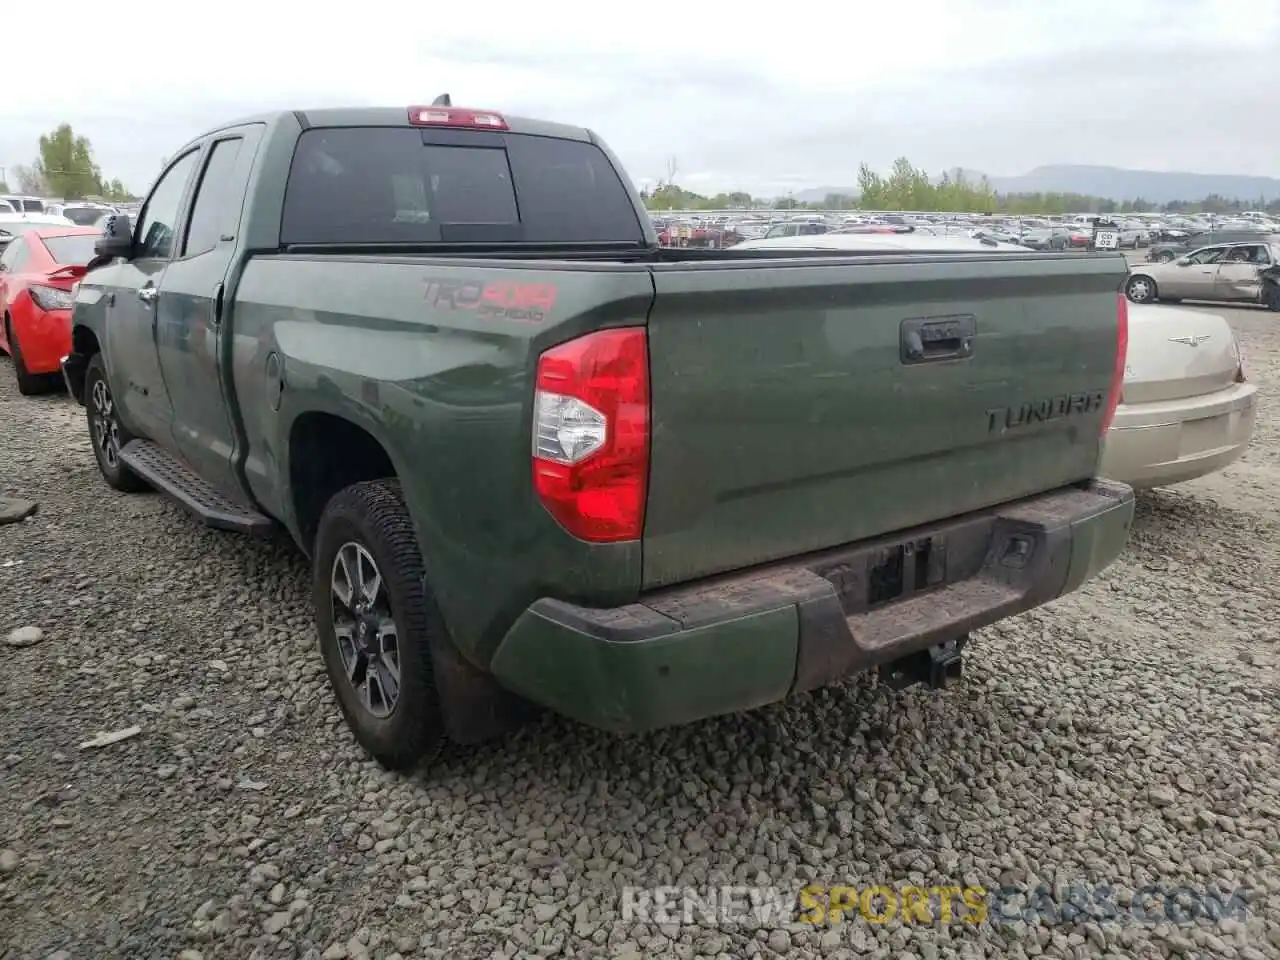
377, 620
106, 432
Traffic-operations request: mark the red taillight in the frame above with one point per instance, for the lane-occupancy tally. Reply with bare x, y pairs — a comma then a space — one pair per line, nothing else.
456, 117
1241, 375
591, 434
50, 298
1122, 352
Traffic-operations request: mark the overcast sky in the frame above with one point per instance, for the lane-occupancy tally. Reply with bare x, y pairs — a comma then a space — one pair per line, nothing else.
768, 99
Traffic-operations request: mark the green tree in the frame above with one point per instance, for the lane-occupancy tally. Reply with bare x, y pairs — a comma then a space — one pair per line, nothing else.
907, 187
30, 180
115, 191
4, 187
66, 164
871, 191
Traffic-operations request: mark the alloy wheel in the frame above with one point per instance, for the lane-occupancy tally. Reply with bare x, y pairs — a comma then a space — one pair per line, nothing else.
106, 428
1140, 290
365, 629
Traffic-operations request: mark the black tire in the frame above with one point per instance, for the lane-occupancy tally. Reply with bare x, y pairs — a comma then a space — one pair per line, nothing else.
29, 384
106, 432
1166, 256
372, 516
1140, 288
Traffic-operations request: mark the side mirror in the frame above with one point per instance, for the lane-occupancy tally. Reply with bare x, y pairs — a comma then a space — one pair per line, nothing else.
116, 239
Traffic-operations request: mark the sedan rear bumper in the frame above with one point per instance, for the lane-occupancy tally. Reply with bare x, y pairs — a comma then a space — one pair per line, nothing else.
1156, 444
45, 336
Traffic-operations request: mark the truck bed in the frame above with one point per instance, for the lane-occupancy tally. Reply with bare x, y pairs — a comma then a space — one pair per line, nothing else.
784, 418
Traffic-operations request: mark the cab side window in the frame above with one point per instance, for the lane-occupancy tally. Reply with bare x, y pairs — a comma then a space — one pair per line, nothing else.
1211, 255
211, 210
159, 219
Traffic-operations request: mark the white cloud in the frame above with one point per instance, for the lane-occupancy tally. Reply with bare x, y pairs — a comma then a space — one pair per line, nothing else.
762, 98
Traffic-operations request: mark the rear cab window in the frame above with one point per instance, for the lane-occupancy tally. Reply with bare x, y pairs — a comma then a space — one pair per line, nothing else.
83, 216
72, 250
392, 185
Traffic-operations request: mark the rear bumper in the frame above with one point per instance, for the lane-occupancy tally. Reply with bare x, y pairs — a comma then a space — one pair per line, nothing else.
1156, 444
741, 641
45, 337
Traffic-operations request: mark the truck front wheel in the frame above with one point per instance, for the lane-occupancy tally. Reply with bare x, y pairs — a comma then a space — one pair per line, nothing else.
106, 432
376, 620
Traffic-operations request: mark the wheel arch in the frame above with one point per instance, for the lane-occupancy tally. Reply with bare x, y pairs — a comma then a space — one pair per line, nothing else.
84, 347
328, 452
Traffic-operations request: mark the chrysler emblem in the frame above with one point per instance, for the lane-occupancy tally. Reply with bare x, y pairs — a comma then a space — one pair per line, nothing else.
1190, 341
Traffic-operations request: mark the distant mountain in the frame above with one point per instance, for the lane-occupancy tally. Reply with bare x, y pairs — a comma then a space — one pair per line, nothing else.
1114, 183
820, 193
1154, 186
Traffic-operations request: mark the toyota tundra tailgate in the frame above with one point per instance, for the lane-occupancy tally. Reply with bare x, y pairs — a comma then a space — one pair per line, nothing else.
798, 405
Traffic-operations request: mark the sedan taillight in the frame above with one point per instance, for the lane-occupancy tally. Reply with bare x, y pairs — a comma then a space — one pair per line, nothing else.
50, 298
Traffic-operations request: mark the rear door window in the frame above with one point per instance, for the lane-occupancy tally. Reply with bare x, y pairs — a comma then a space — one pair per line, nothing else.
409, 185
217, 198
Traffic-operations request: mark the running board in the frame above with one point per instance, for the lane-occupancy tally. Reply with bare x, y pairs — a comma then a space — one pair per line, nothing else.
156, 465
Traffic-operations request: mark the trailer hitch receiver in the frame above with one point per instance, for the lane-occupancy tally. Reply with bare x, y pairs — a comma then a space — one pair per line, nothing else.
935, 666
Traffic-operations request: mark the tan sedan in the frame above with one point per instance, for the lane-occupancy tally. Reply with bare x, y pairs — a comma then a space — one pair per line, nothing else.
1187, 408
1229, 272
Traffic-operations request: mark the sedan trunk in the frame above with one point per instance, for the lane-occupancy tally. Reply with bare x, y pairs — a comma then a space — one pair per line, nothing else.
1176, 353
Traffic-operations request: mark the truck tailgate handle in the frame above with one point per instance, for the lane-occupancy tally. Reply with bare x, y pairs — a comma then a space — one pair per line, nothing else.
930, 339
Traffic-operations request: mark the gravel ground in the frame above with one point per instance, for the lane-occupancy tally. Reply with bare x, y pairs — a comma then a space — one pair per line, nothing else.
1126, 736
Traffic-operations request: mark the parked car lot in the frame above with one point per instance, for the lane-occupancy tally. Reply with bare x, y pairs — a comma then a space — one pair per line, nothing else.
1127, 734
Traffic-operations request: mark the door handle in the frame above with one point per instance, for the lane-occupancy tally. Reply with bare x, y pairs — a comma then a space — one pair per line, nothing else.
930, 339
148, 295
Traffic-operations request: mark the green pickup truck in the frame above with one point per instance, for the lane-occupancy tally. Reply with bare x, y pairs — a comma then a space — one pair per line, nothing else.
537, 460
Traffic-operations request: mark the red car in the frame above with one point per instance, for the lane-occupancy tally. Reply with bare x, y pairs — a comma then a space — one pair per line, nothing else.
38, 269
